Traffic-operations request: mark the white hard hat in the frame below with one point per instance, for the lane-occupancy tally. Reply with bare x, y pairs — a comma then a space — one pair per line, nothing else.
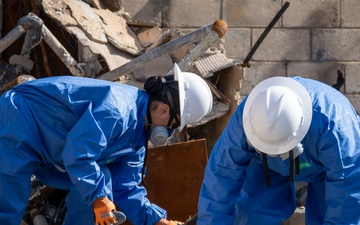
277, 115
195, 97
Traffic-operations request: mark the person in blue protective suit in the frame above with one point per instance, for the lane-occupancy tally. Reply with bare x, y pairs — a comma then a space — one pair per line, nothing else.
287, 129
89, 137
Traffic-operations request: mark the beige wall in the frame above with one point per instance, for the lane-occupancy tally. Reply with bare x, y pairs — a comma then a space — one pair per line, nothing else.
314, 38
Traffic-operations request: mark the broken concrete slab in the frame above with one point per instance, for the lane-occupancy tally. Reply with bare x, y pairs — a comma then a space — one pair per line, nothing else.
87, 20
112, 5
113, 57
152, 37
100, 25
118, 33
59, 11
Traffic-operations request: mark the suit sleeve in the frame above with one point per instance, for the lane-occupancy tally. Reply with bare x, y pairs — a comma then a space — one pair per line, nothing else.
84, 144
339, 152
224, 174
128, 193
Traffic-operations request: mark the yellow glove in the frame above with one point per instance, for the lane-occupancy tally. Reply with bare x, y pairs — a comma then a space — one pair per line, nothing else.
103, 208
169, 222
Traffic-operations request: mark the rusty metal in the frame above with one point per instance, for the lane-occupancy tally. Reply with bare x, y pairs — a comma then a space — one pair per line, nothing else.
32, 25
246, 63
35, 32
156, 52
19, 80
62, 53
11, 37
177, 187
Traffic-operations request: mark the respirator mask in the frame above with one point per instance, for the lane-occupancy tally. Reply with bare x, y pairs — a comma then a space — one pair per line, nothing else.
159, 135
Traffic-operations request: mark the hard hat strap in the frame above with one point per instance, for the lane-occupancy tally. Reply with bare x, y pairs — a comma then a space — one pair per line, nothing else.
294, 165
172, 106
266, 169
291, 172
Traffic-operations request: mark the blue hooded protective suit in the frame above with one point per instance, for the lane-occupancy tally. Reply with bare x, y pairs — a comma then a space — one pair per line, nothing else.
234, 189
78, 134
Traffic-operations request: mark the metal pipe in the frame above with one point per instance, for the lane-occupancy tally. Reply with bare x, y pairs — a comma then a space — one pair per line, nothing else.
218, 30
246, 63
11, 37
61, 52
156, 52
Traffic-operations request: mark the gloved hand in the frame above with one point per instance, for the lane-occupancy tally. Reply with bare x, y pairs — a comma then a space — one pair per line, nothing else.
169, 222
103, 208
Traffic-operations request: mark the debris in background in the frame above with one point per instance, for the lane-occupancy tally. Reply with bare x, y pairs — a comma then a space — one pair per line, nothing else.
152, 37
105, 42
212, 62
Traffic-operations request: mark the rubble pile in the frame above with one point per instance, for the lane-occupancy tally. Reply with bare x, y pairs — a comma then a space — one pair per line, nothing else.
106, 40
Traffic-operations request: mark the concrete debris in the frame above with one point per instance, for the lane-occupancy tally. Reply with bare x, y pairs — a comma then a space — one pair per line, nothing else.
112, 55
99, 25
112, 5
105, 42
219, 109
208, 65
59, 11
118, 33
21, 60
152, 37
89, 22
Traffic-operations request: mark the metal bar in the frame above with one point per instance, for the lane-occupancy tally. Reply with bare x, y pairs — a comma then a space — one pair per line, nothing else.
156, 52
218, 31
61, 52
11, 37
32, 25
264, 34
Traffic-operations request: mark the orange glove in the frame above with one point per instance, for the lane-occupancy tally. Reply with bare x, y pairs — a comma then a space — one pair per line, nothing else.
103, 208
169, 222
172, 222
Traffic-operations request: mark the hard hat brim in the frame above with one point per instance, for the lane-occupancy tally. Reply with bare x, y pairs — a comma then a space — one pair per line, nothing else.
178, 76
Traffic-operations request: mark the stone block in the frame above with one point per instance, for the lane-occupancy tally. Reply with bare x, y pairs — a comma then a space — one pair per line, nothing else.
335, 45
310, 13
355, 101
258, 72
282, 45
190, 14
147, 11
325, 72
250, 13
237, 43
349, 13
352, 78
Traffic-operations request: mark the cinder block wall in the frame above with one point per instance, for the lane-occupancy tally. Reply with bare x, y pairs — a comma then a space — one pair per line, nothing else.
314, 38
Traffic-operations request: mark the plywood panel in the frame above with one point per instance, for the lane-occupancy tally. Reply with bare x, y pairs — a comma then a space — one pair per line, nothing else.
174, 176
